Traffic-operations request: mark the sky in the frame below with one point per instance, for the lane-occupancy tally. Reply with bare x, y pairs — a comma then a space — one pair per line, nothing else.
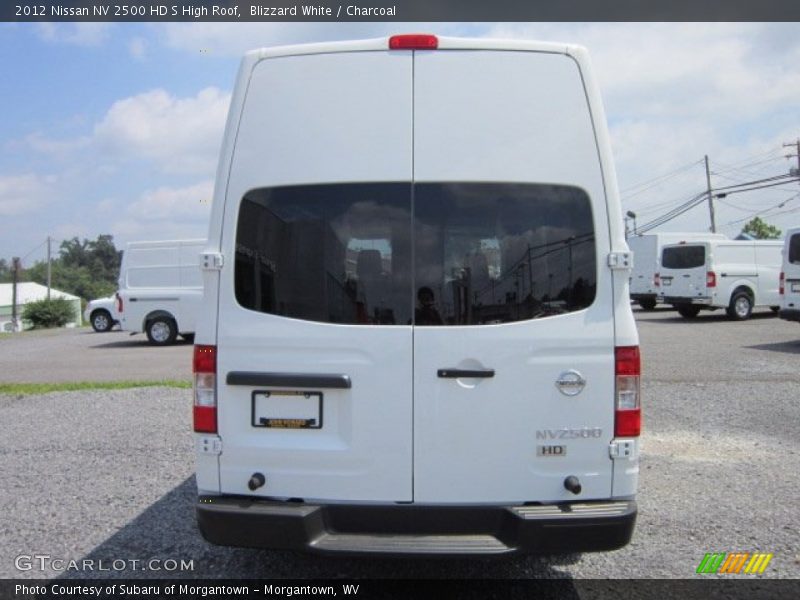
114, 128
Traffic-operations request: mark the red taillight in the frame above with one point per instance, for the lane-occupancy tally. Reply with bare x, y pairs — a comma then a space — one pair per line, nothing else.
711, 279
413, 41
782, 284
657, 280
628, 411
119, 303
205, 389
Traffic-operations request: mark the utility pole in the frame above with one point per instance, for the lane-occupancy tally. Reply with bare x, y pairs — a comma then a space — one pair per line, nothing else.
710, 198
15, 280
49, 268
796, 145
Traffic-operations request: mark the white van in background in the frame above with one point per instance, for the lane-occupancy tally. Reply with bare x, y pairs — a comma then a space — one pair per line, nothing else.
790, 276
645, 281
160, 289
736, 275
101, 314
416, 334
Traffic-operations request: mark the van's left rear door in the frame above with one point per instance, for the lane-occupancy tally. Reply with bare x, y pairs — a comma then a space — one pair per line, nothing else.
315, 295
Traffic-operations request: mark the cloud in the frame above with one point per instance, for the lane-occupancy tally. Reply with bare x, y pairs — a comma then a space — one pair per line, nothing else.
78, 34
181, 135
21, 194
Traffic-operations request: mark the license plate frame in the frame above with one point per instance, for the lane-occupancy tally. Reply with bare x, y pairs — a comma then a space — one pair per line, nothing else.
286, 409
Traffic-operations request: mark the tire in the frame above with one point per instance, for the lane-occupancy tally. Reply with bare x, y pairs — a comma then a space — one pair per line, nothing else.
101, 321
161, 331
647, 303
688, 311
741, 306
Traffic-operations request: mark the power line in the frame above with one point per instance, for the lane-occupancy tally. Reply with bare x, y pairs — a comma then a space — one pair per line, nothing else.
656, 180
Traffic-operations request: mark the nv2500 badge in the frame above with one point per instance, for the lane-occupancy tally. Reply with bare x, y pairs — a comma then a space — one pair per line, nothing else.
569, 434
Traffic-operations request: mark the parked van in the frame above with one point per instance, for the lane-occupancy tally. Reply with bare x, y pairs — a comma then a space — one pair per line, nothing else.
645, 281
416, 335
736, 275
790, 276
160, 289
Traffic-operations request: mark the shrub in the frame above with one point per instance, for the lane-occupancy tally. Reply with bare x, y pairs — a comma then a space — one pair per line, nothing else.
45, 313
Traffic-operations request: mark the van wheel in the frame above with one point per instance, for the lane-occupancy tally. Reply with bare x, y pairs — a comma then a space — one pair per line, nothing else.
647, 303
688, 311
101, 321
161, 331
741, 306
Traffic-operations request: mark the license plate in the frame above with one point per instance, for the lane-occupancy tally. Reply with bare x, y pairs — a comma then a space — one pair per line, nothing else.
287, 410
796, 286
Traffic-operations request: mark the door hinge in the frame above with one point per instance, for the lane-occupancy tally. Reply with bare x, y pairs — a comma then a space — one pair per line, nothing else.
209, 444
622, 261
622, 449
211, 261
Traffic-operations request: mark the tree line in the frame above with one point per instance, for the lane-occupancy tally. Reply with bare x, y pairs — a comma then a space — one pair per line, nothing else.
85, 268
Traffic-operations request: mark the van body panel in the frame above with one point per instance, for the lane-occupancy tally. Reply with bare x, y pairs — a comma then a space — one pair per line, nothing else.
475, 439
790, 300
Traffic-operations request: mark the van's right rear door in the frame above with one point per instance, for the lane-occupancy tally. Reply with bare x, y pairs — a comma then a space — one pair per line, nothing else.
683, 270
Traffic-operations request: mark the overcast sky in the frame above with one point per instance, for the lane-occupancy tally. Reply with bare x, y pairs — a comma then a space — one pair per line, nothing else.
115, 128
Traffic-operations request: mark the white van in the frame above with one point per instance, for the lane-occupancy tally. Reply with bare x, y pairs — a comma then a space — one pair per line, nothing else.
416, 336
645, 280
160, 289
790, 276
101, 314
736, 275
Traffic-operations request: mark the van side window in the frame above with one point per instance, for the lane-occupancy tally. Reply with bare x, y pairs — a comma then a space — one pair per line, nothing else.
683, 257
503, 252
794, 249
336, 253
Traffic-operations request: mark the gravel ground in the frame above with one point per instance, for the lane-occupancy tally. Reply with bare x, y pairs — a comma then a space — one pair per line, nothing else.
108, 475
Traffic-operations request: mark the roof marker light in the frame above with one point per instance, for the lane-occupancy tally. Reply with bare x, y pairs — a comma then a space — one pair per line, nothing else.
413, 41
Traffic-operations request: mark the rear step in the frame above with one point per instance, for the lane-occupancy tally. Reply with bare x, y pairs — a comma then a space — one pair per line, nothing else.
410, 544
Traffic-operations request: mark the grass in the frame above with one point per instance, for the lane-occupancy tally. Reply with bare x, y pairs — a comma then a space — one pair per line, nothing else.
43, 388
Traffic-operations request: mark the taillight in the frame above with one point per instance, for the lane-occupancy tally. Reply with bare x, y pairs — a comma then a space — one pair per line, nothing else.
657, 280
711, 279
782, 283
413, 41
205, 389
119, 303
628, 411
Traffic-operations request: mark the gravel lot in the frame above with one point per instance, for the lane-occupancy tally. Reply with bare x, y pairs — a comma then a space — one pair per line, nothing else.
108, 475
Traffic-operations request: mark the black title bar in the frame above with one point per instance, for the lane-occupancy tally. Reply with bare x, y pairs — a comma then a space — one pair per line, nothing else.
399, 10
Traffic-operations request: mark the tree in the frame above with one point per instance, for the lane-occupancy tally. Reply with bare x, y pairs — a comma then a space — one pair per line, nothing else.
761, 230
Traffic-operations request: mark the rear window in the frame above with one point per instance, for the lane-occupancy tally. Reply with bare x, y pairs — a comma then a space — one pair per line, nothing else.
794, 249
427, 254
683, 257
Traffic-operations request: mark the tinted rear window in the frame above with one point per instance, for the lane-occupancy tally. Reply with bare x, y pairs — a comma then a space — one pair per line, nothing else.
794, 249
683, 257
482, 253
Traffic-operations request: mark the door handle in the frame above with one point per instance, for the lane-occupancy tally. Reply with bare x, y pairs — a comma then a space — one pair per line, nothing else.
459, 373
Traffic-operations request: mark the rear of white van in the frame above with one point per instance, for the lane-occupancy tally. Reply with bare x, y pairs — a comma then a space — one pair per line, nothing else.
790, 277
416, 335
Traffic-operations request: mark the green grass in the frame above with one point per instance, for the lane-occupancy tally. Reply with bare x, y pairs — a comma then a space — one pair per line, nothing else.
43, 388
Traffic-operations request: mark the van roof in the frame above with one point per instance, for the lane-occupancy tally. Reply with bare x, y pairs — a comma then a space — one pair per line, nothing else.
445, 43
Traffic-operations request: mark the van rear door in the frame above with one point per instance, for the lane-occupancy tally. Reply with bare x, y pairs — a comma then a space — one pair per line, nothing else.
683, 270
514, 356
314, 326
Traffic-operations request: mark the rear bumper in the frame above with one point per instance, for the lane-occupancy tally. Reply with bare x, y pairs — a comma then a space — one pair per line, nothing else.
790, 314
417, 530
677, 300
644, 297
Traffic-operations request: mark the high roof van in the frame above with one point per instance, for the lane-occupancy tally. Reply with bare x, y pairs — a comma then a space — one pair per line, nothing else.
160, 289
645, 278
416, 335
737, 275
790, 276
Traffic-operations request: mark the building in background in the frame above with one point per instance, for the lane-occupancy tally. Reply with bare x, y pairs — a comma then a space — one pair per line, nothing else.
30, 292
